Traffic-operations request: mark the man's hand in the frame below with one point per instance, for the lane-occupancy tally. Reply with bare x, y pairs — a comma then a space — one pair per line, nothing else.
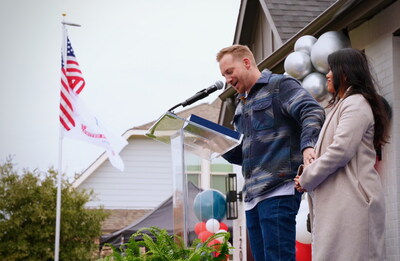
308, 156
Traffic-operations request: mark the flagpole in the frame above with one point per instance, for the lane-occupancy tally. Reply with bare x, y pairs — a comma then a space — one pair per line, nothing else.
59, 174
58, 209
60, 143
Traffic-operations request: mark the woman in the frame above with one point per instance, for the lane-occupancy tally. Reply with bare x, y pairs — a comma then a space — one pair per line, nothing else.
347, 202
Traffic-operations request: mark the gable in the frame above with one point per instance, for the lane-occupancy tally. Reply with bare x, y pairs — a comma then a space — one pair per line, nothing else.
290, 16
266, 25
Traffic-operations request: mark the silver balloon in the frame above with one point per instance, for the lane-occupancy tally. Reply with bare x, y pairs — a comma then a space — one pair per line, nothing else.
336, 35
315, 84
305, 44
298, 65
326, 44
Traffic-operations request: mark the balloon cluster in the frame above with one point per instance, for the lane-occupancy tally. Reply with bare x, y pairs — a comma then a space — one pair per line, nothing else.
210, 208
303, 237
309, 61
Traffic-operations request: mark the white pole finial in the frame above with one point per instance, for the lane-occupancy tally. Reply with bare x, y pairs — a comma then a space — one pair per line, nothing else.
68, 23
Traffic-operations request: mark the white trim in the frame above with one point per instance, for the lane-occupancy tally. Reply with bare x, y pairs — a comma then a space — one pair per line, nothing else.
271, 23
205, 174
239, 23
97, 163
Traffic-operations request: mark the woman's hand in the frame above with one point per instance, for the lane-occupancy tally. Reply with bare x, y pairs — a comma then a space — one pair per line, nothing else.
309, 156
297, 185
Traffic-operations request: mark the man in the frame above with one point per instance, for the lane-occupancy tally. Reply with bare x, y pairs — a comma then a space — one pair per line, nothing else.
280, 122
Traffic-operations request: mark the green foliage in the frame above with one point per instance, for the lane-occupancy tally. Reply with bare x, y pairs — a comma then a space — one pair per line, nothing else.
28, 217
165, 247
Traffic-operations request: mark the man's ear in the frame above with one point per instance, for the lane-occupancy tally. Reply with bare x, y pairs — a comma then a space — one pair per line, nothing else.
246, 62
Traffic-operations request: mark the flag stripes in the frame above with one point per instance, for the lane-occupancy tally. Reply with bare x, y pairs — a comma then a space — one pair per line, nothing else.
71, 81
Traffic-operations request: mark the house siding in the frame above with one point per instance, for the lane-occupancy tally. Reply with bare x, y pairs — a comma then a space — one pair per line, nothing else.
145, 183
375, 36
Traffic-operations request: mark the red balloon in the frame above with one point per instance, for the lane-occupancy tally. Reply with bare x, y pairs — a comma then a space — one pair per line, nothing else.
204, 235
216, 254
200, 227
303, 251
223, 226
216, 244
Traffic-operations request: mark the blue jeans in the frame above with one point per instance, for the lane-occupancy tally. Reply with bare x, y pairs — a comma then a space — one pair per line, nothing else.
272, 228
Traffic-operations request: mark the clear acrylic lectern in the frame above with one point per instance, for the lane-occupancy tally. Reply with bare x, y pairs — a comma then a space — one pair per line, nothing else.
196, 135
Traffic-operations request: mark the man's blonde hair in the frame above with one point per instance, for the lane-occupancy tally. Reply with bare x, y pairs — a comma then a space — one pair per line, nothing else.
237, 51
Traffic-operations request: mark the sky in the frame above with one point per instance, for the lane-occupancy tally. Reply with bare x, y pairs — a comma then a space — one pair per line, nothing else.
138, 57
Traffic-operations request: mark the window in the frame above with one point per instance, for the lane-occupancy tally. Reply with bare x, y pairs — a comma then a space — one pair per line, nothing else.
219, 168
193, 168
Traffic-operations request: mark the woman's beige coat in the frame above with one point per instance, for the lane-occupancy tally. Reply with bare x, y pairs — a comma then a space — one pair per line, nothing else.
347, 202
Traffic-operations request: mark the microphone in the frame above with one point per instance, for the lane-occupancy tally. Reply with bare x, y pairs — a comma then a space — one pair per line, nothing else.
200, 94
203, 93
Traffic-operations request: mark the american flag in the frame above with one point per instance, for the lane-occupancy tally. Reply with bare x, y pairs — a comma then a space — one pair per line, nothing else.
71, 81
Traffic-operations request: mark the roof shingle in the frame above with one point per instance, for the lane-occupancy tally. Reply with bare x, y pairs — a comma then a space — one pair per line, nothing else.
290, 16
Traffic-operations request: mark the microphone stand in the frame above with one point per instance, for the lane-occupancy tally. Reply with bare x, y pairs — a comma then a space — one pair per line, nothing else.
174, 107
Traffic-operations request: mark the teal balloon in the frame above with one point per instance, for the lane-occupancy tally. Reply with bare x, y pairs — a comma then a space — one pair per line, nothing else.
208, 204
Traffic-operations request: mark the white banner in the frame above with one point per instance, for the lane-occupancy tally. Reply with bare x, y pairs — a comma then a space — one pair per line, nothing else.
89, 128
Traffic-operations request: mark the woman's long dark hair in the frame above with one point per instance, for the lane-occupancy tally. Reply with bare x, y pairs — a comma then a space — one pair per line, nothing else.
350, 68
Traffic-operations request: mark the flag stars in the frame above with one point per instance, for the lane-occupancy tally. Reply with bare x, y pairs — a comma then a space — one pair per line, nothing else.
70, 51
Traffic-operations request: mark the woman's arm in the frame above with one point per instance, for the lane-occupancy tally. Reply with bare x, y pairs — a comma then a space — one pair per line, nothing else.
355, 119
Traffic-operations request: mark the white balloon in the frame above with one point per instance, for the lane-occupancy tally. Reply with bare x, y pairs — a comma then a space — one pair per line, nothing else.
326, 44
315, 84
212, 225
305, 44
302, 235
298, 64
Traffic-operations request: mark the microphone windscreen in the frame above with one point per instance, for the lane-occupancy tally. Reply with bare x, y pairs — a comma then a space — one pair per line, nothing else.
219, 85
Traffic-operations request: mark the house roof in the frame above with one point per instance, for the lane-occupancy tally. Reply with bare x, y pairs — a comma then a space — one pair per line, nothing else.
286, 17
209, 111
336, 16
290, 16
342, 15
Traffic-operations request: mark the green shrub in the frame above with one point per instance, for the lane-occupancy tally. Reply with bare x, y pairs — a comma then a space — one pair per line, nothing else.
28, 217
165, 247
